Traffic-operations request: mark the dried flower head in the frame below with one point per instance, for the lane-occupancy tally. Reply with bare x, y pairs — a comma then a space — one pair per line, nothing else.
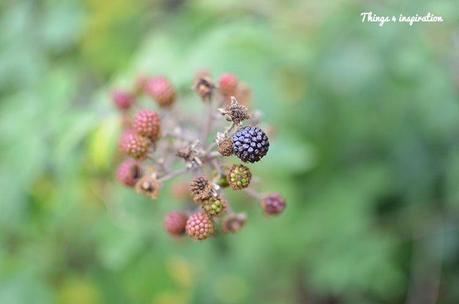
235, 112
201, 188
205, 88
148, 185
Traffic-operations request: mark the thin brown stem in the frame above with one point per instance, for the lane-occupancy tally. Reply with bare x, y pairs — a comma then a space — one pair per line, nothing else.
173, 174
207, 124
253, 193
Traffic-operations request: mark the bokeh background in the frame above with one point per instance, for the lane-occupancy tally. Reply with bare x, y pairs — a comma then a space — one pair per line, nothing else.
366, 152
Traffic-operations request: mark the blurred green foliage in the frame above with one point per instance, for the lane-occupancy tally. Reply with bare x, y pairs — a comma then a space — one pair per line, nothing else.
366, 152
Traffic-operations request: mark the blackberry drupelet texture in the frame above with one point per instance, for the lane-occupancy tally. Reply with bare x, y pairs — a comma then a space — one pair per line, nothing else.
250, 144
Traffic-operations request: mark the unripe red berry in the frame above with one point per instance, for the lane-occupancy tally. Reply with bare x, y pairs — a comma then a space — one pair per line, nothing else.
199, 226
133, 144
227, 84
129, 172
175, 222
273, 204
162, 90
123, 100
147, 123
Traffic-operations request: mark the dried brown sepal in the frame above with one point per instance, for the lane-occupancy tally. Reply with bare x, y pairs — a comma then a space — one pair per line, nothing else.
205, 88
148, 185
235, 112
201, 189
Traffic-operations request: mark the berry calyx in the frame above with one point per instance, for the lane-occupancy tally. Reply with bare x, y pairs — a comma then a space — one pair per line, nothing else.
200, 188
250, 144
204, 87
133, 144
235, 112
227, 84
129, 172
199, 226
162, 91
147, 123
148, 185
214, 206
175, 222
123, 100
273, 204
239, 177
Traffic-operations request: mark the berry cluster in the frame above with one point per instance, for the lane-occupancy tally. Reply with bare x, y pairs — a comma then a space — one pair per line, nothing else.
158, 144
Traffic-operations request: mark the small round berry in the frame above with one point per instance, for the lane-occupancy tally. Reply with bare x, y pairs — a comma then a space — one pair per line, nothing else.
129, 172
214, 206
234, 222
147, 123
273, 204
225, 146
133, 144
175, 222
227, 84
200, 188
239, 177
123, 100
199, 226
250, 144
222, 181
162, 90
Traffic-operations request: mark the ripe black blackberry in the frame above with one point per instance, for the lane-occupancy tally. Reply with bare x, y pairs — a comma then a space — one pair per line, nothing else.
250, 144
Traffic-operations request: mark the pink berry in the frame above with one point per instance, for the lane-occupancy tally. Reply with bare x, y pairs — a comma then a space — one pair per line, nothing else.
147, 124
129, 172
123, 100
162, 90
228, 84
175, 222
